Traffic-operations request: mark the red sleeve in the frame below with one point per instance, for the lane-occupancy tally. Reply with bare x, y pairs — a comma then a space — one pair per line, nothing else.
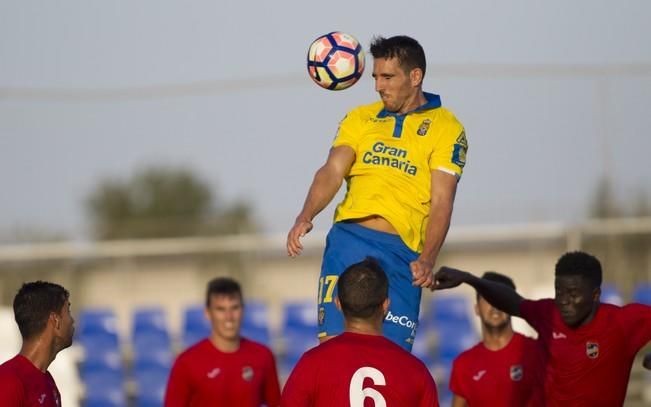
11, 391
178, 387
298, 391
430, 397
456, 383
538, 314
636, 321
271, 395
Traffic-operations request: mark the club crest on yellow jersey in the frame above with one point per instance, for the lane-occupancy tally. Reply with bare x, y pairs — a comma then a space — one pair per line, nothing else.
424, 127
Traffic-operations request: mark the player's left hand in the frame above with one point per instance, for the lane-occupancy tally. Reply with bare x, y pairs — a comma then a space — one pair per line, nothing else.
421, 272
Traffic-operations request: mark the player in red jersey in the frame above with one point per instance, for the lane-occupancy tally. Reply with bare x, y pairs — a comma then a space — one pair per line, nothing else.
505, 368
42, 312
589, 347
360, 366
224, 369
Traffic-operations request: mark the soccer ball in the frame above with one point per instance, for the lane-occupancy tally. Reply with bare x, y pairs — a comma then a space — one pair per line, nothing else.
335, 61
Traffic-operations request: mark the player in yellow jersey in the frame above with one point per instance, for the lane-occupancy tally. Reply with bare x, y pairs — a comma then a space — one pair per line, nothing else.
402, 158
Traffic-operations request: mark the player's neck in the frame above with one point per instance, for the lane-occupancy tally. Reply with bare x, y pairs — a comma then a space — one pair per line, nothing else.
417, 100
226, 345
40, 352
363, 327
496, 339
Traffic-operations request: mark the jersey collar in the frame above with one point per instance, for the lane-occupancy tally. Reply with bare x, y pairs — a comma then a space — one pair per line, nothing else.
433, 102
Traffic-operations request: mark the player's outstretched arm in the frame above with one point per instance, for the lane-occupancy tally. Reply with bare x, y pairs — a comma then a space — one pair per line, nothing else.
443, 190
327, 182
498, 295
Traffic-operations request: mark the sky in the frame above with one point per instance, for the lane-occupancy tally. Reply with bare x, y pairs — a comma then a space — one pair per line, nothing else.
553, 96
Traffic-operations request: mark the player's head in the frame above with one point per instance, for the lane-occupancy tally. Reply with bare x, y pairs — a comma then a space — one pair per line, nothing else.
224, 307
408, 52
42, 306
363, 290
398, 69
578, 287
491, 318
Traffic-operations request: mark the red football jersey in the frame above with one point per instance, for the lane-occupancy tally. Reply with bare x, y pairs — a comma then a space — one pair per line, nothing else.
205, 376
24, 385
590, 365
511, 376
359, 371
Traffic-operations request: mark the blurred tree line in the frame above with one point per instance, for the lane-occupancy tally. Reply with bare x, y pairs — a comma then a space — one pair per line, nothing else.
162, 201
606, 204
626, 257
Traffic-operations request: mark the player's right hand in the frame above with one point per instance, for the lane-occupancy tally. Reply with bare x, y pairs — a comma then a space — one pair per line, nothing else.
300, 229
448, 277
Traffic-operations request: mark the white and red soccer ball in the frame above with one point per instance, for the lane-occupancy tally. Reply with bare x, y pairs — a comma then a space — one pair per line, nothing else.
335, 61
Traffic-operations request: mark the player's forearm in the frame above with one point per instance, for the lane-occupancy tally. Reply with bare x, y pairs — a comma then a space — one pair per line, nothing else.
437, 229
323, 189
498, 295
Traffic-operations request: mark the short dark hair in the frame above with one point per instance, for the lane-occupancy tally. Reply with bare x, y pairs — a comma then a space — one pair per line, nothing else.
581, 264
409, 52
362, 288
223, 286
497, 278
34, 303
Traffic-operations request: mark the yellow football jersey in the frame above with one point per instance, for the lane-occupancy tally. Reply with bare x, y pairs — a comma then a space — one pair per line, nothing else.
394, 157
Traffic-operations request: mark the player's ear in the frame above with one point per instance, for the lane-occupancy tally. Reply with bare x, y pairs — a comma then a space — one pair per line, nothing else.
56, 320
416, 76
385, 306
596, 294
337, 303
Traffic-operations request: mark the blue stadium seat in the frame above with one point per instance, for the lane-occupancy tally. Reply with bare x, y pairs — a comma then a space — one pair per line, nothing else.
450, 307
611, 295
98, 335
422, 347
441, 371
445, 395
642, 294
255, 322
151, 339
195, 326
454, 338
104, 384
151, 381
299, 331
450, 318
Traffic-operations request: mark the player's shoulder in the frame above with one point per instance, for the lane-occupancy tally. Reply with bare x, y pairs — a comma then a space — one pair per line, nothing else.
252, 346
10, 374
13, 366
445, 115
469, 354
364, 112
525, 343
196, 350
628, 312
404, 357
